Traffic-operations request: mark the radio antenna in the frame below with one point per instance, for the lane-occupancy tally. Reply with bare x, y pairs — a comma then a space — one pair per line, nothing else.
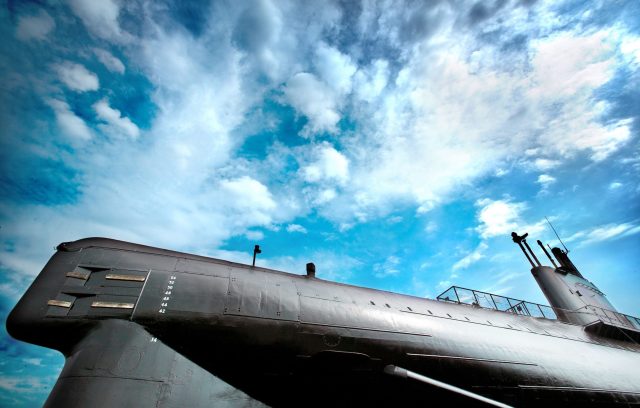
556, 232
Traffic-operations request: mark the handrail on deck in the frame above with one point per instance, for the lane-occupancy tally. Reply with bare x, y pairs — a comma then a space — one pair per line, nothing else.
457, 294
487, 300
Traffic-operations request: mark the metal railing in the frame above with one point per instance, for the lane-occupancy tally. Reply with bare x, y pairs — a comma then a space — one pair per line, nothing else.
457, 294
611, 317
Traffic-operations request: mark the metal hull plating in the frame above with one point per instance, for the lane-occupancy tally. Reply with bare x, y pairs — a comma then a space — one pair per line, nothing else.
288, 340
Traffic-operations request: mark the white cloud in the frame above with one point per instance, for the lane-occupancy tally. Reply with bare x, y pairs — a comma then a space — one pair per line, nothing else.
33, 361
615, 185
443, 123
99, 17
250, 198
329, 165
501, 172
566, 64
369, 82
68, 122
545, 180
471, 258
35, 27
296, 228
315, 100
107, 59
116, 123
545, 164
77, 77
24, 384
499, 217
325, 196
630, 48
253, 235
567, 69
431, 227
575, 129
335, 69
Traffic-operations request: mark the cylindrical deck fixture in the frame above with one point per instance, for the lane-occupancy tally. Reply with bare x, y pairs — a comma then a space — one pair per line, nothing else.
256, 250
311, 270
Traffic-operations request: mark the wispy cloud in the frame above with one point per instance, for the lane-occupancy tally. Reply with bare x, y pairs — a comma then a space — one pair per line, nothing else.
390, 267
24, 384
296, 228
35, 27
604, 233
77, 77
545, 180
471, 258
115, 122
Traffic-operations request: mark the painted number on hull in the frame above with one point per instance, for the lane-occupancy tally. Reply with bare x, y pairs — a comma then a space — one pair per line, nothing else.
167, 294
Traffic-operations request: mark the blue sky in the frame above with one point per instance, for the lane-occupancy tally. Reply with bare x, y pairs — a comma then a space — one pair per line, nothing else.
394, 144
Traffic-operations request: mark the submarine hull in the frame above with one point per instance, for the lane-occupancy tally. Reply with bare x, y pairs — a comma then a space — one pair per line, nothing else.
142, 326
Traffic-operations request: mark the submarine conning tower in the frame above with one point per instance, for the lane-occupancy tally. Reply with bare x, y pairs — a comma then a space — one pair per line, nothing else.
574, 298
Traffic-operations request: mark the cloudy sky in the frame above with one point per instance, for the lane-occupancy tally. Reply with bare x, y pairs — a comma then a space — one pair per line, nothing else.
396, 145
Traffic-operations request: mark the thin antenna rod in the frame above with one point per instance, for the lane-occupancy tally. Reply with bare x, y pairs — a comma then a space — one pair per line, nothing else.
554, 230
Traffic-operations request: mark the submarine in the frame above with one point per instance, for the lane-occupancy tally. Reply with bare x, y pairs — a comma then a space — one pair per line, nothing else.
146, 327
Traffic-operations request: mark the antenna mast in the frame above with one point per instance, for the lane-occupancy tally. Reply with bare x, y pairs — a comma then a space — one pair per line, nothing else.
558, 236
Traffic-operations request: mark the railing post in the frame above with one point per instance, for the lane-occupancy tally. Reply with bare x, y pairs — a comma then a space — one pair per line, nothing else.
493, 300
456, 292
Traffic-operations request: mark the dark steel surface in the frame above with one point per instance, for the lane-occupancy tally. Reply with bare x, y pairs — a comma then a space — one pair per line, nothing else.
293, 340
